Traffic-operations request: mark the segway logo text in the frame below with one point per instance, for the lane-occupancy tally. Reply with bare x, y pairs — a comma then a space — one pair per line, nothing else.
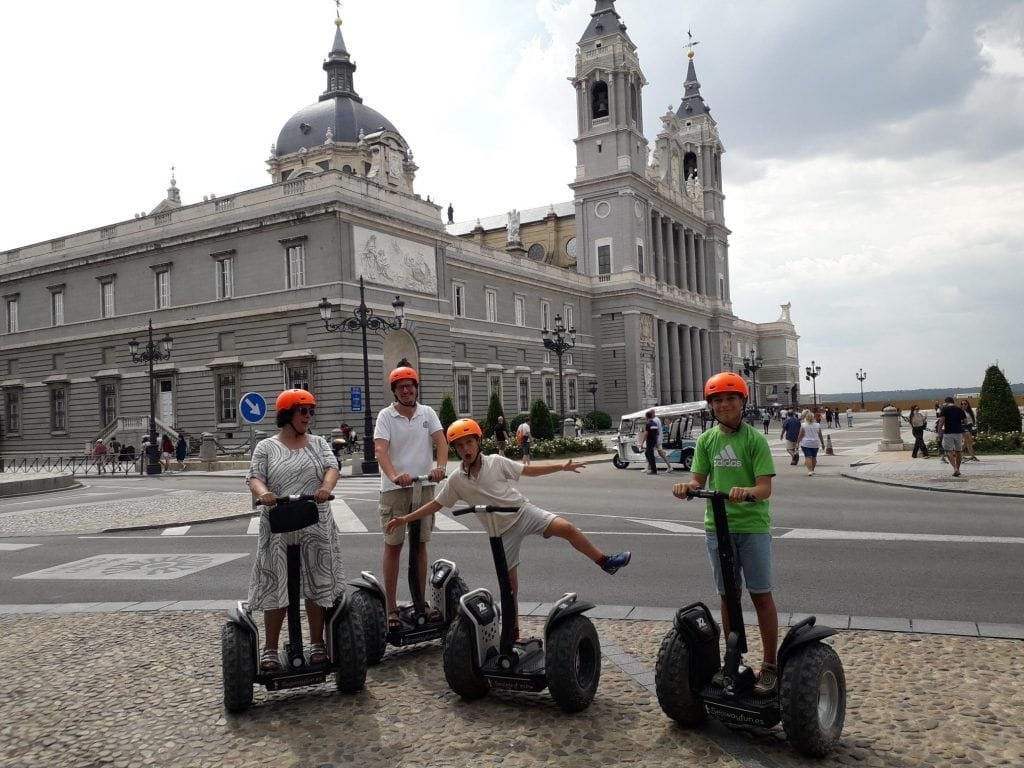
727, 458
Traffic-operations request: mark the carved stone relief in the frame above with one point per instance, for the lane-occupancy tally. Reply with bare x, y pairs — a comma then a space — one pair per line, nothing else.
394, 261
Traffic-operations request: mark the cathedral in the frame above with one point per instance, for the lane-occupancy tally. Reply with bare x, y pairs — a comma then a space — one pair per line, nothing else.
633, 271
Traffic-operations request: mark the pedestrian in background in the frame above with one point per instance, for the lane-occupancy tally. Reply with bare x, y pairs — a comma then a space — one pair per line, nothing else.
951, 419
766, 419
809, 438
970, 429
791, 434
849, 416
918, 423
181, 451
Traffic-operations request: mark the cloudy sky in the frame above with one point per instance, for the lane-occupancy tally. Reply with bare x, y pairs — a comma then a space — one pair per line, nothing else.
874, 172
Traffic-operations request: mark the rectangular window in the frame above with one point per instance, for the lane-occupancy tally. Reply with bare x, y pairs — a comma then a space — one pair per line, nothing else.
520, 304
524, 393
107, 298
721, 287
604, 259
12, 410
549, 392
225, 287
296, 265
568, 358
12, 315
639, 257
547, 357
108, 404
58, 409
568, 314
570, 391
545, 314
459, 299
163, 289
297, 377
227, 397
492, 306
57, 308
463, 393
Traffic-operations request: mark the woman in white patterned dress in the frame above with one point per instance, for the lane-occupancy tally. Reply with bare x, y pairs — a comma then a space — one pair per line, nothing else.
294, 462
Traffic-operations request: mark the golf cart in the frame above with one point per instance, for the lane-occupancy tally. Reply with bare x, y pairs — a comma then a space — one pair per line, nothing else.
678, 422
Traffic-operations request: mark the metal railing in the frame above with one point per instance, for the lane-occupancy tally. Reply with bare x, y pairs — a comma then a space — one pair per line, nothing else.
76, 465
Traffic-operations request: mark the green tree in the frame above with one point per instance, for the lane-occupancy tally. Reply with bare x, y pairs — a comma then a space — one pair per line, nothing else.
447, 412
997, 408
540, 420
494, 410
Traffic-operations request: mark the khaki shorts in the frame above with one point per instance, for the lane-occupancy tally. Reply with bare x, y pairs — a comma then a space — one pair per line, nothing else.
399, 502
533, 521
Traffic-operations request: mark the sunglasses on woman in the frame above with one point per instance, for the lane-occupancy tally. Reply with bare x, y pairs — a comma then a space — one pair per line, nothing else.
306, 410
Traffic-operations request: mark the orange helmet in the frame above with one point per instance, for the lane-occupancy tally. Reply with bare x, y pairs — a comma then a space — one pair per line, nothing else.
727, 381
462, 428
403, 372
293, 397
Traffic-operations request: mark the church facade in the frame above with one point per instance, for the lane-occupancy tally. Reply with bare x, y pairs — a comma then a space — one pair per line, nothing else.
636, 263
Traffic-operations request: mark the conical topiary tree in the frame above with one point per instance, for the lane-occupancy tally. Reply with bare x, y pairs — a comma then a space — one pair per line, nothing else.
540, 420
494, 410
997, 408
447, 412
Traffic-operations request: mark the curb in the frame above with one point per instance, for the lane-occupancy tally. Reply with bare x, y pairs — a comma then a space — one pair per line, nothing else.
918, 487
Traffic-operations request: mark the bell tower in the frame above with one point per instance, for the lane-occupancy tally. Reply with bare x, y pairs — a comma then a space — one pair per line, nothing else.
611, 152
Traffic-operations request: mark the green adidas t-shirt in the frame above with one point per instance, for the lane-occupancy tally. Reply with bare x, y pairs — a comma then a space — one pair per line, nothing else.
728, 460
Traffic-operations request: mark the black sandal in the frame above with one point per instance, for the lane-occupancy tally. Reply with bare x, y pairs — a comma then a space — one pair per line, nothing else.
394, 621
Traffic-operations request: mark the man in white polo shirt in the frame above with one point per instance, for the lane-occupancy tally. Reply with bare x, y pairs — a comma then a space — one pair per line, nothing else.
409, 442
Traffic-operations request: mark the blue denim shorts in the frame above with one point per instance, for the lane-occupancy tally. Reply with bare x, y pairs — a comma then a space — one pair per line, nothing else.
752, 559
809, 453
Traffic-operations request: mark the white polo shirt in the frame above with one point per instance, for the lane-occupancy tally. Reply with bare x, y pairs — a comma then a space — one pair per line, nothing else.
493, 485
411, 447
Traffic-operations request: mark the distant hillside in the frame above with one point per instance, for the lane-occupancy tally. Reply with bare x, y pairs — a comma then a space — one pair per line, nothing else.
924, 395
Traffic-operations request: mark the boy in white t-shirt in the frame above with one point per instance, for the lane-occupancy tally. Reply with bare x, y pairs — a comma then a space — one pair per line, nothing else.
488, 480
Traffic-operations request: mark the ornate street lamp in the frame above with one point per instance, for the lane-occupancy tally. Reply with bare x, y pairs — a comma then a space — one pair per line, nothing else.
362, 320
557, 343
593, 394
751, 365
860, 377
152, 353
813, 372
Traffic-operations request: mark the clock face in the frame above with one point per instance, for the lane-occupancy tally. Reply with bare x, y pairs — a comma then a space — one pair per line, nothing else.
638, 209
570, 248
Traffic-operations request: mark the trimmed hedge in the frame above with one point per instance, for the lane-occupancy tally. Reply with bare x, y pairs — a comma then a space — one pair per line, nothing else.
547, 449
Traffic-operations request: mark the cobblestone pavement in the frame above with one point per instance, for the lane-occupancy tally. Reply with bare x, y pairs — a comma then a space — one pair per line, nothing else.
145, 690
1003, 475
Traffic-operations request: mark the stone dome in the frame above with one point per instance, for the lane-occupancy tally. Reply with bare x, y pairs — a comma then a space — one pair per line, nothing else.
345, 116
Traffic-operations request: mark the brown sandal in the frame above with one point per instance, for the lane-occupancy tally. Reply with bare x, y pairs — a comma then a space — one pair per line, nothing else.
270, 660
394, 621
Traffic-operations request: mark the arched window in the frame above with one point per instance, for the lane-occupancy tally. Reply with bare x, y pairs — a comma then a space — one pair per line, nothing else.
599, 100
634, 104
347, 169
536, 252
689, 165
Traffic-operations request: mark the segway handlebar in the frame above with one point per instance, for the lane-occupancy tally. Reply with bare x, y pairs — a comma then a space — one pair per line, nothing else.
700, 493
302, 497
483, 508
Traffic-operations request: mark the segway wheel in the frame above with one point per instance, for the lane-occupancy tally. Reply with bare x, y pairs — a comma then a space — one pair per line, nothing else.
459, 656
350, 652
672, 682
573, 663
375, 624
619, 463
812, 699
237, 658
453, 593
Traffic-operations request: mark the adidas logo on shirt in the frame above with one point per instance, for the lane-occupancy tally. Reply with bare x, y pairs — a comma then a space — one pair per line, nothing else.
727, 458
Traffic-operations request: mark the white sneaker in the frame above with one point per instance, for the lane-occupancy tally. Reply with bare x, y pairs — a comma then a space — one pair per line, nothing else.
669, 469
810, 474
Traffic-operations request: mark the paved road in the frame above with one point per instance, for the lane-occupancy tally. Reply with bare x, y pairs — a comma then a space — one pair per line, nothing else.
841, 547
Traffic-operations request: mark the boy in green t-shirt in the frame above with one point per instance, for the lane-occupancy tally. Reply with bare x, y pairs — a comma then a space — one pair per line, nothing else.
734, 458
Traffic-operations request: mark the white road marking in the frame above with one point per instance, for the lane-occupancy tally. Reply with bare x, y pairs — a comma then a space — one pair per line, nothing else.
345, 519
821, 534
666, 525
254, 526
178, 530
444, 523
14, 547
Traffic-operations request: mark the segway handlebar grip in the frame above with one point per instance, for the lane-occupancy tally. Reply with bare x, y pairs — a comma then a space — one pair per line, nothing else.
304, 497
483, 508
700, 493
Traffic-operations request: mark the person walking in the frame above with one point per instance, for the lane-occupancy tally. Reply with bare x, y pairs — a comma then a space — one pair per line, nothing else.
408, 440
523, 436
791, 434
970, 429
500, 434
918, 423
809, 438
952, 419
849, 416
181, 451
652, 429
766, 419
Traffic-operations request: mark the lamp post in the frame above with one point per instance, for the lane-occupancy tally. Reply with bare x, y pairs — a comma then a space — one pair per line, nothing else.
150, 354
752, 363
364, 319
557, 343
813, 371
860, 377
592, 389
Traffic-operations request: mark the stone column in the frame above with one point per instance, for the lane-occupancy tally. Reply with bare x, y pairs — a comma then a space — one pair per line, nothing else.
670, 253
686, 350
664, 360
691, 261
705, 354
892, 439
698, 257
656, 244
676, 363
698, 372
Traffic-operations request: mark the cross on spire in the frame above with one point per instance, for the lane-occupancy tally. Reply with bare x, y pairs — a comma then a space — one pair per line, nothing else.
690, 44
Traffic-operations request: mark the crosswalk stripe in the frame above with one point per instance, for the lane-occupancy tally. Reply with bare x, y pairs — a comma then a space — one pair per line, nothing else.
178, 530
345, 519
254, 526
666, 525
444, 523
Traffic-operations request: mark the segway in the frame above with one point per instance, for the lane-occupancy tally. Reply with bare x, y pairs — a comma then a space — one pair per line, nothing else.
444, 583
482, 651
240, 642
811, 697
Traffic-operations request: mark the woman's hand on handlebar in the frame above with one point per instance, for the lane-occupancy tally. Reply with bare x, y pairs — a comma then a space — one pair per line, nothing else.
267, 498
322, 495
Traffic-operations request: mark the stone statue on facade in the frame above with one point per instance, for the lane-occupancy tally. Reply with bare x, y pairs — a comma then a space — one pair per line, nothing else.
329, 136
513, 226
693, 185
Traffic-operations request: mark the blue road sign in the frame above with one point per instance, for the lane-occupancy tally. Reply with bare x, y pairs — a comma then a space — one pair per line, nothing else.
253, 407
356, 394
